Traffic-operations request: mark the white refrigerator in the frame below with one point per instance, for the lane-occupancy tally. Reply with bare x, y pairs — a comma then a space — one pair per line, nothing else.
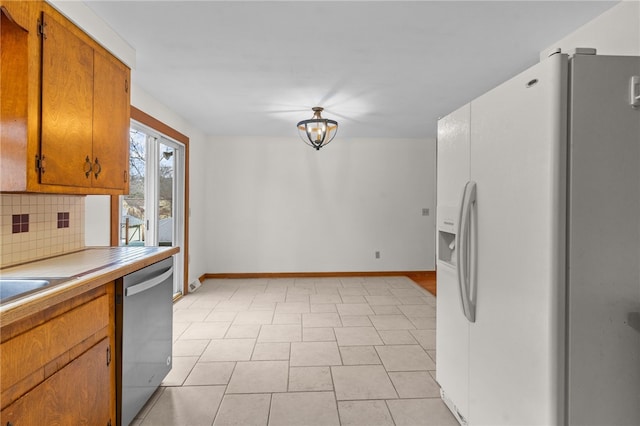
538, 247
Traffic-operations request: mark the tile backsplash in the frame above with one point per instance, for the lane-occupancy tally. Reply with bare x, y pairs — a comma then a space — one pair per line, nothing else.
54, 225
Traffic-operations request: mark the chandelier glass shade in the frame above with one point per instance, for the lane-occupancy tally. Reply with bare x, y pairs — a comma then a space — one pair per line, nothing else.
317, 131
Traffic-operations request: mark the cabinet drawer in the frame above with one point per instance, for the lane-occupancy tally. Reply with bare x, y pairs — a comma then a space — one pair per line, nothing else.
74, 395
37, 353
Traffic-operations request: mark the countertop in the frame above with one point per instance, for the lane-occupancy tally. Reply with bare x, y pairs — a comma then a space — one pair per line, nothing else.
85, 269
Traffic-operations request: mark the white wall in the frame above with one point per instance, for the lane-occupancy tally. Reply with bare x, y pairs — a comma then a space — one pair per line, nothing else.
615, 32
85, 18
277, 205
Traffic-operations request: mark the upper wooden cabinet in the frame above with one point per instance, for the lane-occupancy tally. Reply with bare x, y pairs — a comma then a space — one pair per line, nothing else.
69, 110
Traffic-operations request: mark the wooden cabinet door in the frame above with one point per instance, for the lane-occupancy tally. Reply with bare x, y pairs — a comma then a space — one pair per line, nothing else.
67, 106
77, 394
110, 123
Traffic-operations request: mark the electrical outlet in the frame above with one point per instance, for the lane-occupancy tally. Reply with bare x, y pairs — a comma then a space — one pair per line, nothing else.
377, 255
425, 212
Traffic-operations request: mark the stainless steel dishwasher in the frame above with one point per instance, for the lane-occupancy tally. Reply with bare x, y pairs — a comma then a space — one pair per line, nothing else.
144, 316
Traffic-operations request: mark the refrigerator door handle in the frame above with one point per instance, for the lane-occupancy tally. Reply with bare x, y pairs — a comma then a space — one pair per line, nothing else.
462, 254
459, 252
471, 273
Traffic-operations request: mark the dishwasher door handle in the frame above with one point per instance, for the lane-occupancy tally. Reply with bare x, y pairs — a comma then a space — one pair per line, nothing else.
146, 285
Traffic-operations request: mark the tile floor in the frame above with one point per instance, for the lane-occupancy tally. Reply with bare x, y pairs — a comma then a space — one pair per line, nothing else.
302, 352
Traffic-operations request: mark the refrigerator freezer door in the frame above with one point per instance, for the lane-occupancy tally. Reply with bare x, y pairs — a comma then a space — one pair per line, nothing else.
453, 156
452, 336
518, 155
604, 241
452, 344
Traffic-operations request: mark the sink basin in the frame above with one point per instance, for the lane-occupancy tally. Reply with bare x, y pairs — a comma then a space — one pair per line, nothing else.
11, 288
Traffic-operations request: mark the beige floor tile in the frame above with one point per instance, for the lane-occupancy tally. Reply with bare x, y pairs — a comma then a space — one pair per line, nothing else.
397, 337
328, 282
427, 412
259, 377
149, 404
353, 291
426, 338
410, 300
321, 289
304, 291
180, 369
415, 384
352, 282
179, 328
305, 379
244, 410
210, 373
378, 289
280, 333
318, 334
357, 336
386, 310
223, 316
253, 317
190, 315
228, 350
404, 358
309, 354
354, 309
248, 331
206, 303
382, 300
353, 299
391, 322
364, 413
271, 352
270, 297
186, 405
282, 319
355, 321
323, 307
425, 323
362, 382
359, 355
205, 330
262, 306
189, 347
325, 298
303, 408
296, 298
321, 320
418, 310
432, 354
232, 306
292, 308
412, 293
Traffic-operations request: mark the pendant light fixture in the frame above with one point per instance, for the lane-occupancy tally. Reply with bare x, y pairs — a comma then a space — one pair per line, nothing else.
317, 131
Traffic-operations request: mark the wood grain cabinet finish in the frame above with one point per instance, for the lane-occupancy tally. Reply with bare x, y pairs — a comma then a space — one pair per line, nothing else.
57, 367
70, 115
72, 396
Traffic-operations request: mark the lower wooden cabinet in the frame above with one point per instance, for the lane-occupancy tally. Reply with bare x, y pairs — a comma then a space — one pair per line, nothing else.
74, 395
56, 365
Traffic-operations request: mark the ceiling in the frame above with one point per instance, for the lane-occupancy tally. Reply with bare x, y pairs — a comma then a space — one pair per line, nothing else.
380, 68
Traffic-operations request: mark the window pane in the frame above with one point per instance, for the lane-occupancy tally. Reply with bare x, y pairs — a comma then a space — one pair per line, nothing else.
132, 229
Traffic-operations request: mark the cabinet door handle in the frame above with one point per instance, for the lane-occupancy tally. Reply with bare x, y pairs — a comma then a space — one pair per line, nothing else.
97, 168
87, 167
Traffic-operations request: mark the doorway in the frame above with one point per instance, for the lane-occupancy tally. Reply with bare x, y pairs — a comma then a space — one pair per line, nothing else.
153, 211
